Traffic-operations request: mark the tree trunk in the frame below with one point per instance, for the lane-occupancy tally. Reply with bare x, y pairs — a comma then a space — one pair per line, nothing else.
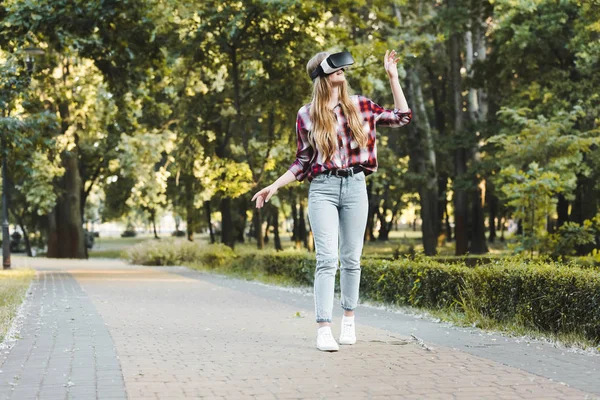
153, 221
444, 223
493, 206
242, 218
25, 237
257, 220
425, 162
296, 228
382, 214
302, 228
266, 237
562, 209
189, 207
447, 225
478, 240
461, 206
227, 228
369, 233
66, 238
276, 238
584, 207
208, 212
384, 233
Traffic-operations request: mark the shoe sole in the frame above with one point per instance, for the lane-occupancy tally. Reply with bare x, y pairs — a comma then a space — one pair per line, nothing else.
331, 350
350, 342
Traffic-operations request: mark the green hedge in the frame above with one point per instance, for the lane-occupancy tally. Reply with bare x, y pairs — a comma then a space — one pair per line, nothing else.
544, 295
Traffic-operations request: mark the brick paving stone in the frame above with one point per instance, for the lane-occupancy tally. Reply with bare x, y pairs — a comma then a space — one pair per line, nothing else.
181, 335
62, 338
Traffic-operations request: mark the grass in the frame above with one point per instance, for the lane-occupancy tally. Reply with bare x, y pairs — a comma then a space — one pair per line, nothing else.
113, 247
13, 286
510, 328
399, 242
110, 242
277, 280
105, 253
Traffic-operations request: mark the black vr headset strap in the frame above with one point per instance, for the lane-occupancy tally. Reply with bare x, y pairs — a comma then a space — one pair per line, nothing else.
318, 71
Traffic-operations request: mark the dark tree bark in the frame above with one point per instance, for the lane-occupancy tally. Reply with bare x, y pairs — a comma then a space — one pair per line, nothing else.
461, 206
258, 221
447, 225
585, 207
208, 212
66, 238
474, 41
241, 206
384, 233
493, 206
302, 227
153, 221
369, 233
227, 226
296, 228
424, 162
443, 217
276, 238
266, 237
503, 222
189, 206
66, 235
478, 241
562, 209
25, 236
382, 213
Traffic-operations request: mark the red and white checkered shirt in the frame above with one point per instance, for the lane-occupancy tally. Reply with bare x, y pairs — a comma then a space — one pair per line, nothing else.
309, 163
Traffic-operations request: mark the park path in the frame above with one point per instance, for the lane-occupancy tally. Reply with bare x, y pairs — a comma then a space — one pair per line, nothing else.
106, 330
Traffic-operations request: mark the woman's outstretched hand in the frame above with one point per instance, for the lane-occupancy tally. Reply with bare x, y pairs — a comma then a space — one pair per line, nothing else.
264, 195
390, 62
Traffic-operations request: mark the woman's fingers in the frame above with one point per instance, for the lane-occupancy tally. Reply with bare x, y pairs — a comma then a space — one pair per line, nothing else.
256, 195
263, 196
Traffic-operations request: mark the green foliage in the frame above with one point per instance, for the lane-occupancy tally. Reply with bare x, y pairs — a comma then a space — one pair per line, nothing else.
570, 236
553, 154
172, 104
178, 252
531, 194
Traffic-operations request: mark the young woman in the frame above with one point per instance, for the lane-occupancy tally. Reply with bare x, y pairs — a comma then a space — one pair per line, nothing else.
336, 149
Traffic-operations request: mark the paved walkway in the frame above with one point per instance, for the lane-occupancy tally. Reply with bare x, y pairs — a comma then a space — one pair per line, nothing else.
106, 330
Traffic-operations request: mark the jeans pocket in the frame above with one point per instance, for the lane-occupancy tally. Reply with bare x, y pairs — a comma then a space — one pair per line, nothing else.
360, 176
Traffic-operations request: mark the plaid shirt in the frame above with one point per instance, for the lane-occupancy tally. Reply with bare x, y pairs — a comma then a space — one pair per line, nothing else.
309, 163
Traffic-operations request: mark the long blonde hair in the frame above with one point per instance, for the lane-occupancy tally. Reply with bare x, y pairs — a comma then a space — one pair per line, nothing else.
323, 120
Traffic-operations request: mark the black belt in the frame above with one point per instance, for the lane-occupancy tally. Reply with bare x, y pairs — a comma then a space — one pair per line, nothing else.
344, 172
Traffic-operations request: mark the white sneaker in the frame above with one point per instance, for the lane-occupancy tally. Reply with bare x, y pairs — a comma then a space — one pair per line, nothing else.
348, 334
325, 340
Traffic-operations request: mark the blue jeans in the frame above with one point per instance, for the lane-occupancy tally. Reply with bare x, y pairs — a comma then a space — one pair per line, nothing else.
337, 211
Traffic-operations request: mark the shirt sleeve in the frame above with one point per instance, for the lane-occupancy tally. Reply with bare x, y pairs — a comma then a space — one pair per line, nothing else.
392, 118
301, 166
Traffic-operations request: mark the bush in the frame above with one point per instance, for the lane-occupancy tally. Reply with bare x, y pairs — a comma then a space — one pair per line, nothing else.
178, 252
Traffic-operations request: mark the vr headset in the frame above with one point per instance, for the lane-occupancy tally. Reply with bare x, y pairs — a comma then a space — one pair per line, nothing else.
333, 63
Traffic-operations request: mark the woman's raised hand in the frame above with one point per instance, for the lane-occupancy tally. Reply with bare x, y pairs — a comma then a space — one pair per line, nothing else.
264, 195
390, 62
